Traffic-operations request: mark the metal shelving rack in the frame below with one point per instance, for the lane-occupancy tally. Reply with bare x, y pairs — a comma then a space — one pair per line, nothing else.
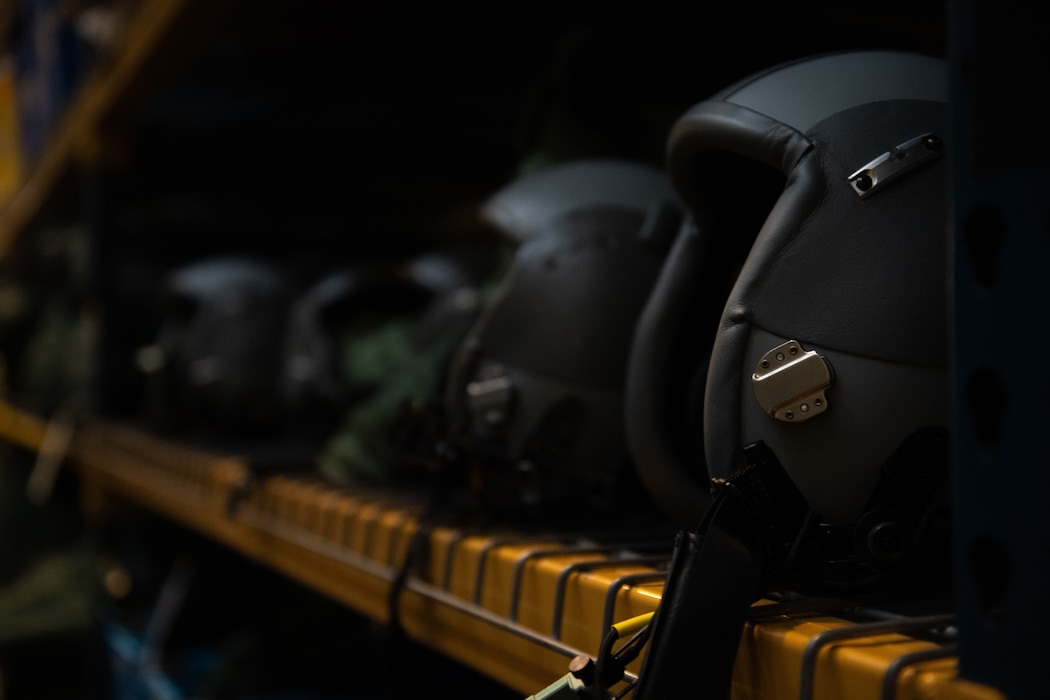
514, 605
1001, 292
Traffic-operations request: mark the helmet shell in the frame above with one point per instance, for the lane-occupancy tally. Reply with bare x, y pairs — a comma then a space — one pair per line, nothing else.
538, 383
221, 337
769, 168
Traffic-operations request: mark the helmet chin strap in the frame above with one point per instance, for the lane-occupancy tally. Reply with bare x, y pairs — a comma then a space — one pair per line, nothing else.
650, 389
717, 572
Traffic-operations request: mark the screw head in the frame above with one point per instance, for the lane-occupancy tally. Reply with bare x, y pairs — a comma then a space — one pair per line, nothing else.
583, 667
887, 541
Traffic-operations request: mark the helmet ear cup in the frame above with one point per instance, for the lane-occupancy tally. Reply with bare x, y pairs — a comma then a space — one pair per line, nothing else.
884, 538
905, 518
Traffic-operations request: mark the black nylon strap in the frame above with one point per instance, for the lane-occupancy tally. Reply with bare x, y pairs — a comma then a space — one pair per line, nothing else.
716, 574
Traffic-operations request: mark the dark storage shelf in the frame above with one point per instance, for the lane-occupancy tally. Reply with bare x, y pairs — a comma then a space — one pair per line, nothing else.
514, 605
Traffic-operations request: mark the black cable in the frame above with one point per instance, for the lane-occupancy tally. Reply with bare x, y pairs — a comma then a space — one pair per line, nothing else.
632, 647
395, 640
606, 675
600, 664
441, 503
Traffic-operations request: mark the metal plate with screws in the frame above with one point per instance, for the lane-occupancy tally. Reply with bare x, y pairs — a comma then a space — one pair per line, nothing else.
789, 383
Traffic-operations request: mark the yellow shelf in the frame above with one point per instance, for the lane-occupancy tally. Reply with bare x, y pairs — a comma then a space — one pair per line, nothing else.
92, 130
514, 607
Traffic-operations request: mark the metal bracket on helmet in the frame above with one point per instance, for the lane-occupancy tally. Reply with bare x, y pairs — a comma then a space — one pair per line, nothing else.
892, 164
491, 394
789, 383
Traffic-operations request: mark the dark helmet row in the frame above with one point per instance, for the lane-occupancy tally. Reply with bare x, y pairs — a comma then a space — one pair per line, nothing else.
777, 293
248, 354
781, 286
749, 344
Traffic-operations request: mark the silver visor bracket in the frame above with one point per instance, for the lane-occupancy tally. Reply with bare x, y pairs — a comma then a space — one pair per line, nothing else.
891, 165
789, 383
490, 395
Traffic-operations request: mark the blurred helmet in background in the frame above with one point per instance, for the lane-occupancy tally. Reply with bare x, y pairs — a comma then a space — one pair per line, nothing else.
370, 352
215, 365
535, 396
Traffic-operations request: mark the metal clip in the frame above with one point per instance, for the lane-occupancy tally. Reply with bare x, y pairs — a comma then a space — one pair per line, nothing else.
789, 383
892, 164
491, 395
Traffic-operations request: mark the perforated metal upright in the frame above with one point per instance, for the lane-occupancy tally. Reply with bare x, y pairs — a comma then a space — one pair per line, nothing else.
1001, 231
